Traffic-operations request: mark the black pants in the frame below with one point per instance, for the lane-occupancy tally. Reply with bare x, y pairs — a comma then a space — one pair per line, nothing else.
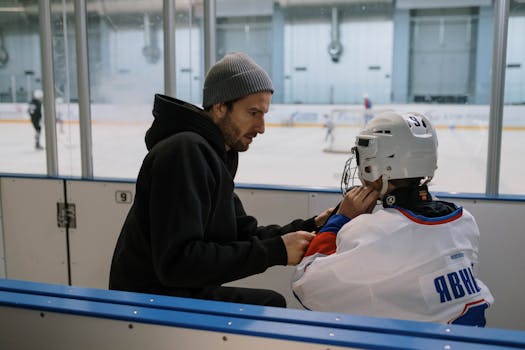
35, 120
253, 296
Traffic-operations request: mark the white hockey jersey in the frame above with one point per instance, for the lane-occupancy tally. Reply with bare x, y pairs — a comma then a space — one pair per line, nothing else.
395, 264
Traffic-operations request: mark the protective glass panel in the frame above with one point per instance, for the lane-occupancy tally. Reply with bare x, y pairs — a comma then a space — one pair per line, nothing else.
337, 65
21, 124
334, 66
512, 144
66, 87
126, 70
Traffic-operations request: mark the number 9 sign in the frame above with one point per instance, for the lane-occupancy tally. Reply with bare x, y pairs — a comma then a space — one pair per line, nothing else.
123, 196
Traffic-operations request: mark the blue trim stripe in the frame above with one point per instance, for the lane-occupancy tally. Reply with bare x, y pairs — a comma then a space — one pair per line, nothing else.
284, 188
231, 325
334, 223
420, 219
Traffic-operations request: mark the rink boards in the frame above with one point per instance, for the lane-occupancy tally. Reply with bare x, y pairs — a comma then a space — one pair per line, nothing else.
444, 115
37, 315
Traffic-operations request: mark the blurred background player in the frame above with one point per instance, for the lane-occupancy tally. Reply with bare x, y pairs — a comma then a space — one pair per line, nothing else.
367, 104
329, 125
415, 258
35, 112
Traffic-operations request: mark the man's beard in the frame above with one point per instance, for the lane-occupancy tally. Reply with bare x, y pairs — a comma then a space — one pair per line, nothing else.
231, 134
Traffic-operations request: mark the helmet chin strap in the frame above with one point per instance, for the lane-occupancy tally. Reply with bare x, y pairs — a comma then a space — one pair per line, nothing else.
384, 187
426, 180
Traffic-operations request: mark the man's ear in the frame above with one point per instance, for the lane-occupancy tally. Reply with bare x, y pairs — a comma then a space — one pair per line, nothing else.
218, 111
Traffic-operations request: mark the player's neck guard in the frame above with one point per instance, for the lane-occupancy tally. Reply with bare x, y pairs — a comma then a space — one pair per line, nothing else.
407, 197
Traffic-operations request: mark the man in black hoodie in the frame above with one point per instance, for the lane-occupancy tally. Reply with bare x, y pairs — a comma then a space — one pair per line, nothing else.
187, 233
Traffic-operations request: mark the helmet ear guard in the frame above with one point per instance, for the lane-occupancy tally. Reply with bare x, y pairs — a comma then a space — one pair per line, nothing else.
393, 146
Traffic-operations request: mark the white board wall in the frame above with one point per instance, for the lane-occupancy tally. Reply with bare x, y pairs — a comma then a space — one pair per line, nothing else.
101, 209
36, 249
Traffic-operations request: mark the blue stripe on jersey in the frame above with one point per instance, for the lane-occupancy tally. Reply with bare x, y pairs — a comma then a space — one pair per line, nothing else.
473, 314
334, 223
420, 219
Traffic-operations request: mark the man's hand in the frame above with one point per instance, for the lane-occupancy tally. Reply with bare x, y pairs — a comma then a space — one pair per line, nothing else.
359, 200
320, 219
296, 244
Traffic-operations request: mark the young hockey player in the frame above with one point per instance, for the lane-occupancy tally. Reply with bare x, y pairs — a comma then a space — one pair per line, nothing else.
415, 258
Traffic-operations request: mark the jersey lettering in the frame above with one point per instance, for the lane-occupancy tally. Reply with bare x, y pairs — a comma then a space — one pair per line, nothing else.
442, 289
474, 280
456, 284
467, 281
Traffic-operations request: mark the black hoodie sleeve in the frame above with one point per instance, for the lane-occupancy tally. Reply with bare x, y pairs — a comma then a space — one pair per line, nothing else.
194, 238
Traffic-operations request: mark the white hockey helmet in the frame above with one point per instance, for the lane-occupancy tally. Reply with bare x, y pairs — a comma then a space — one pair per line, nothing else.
38, 94
393, 146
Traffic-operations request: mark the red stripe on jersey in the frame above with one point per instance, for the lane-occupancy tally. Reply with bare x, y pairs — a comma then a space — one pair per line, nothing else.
423, 220
323, 243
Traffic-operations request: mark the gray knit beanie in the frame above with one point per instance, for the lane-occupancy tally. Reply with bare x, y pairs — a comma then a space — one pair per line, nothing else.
236, 75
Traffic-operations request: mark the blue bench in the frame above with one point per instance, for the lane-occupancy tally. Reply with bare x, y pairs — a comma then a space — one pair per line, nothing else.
38, 315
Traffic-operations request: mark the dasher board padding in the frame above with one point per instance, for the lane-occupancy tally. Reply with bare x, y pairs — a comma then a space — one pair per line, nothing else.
37, 315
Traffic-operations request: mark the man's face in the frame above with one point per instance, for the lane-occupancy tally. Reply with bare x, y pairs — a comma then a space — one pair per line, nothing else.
244, 121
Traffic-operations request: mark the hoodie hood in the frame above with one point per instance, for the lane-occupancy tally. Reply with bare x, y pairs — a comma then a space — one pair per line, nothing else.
173, 116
